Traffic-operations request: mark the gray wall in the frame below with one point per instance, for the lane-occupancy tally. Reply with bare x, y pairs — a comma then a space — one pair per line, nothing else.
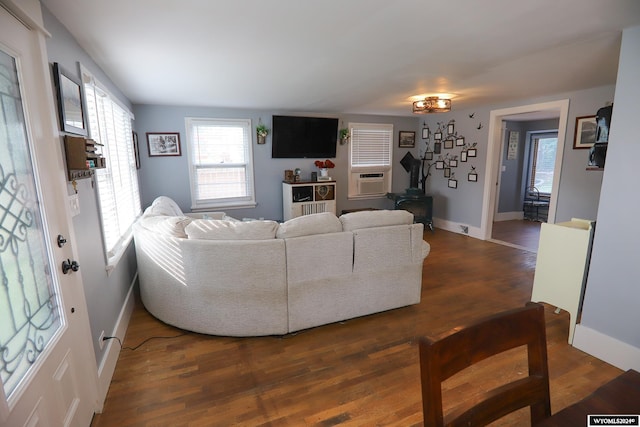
105, 294
612, 293
169, 176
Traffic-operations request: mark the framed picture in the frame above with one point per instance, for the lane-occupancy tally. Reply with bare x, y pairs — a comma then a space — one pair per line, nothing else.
472, 152
437, 136
437, 147
70, 102
463, 156
452, 183
448, 144
460, 142
428, 155
406, 139
450, 129
425, 133
453, 163
163, 144
585, 135
439, 164
447, 172
473, 177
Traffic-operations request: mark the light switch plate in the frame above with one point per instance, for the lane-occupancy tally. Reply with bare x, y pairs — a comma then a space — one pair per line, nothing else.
74, 204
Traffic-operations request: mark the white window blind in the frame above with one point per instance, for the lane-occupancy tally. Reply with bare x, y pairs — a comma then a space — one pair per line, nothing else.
220, 163
118, 191
371, 144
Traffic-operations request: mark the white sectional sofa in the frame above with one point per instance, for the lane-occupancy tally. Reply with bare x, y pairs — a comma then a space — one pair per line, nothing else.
216, 275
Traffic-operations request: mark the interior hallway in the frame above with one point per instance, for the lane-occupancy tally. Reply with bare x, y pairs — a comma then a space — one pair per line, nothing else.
521, 234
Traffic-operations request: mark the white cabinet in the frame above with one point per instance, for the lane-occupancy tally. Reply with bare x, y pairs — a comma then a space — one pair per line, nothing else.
304, 198
562, 266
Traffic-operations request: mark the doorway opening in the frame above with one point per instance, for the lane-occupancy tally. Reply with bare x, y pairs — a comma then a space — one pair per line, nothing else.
497, 136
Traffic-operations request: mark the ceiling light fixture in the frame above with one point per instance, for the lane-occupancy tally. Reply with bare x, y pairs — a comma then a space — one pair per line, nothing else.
432, 104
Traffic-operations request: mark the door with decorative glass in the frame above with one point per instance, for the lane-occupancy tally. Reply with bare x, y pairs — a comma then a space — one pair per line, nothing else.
47, 367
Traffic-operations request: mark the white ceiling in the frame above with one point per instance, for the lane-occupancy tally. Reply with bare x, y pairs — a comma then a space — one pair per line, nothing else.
348, 56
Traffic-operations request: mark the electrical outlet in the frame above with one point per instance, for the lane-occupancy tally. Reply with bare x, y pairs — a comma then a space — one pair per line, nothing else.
101, 340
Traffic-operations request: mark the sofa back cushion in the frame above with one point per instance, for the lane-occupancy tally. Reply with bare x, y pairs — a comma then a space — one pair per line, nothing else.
164, 205
307, 225
380, 218
166, 225
213, 229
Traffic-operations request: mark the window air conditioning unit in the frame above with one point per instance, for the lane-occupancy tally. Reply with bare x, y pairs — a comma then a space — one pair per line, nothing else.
370, 184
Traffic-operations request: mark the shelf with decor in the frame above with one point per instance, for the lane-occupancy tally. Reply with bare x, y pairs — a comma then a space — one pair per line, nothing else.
83, 157
304, 198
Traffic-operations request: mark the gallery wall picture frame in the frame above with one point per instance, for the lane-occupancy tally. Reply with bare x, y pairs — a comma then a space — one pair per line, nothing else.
585, 132
437, 136
406, 139
448, 144
452, 183
447, 172
428, 155
163, 144
439, 164
463, 156
453, 163
70, 101
450, 129
437, 147
472, 152
460, 142
472, 177
425, 133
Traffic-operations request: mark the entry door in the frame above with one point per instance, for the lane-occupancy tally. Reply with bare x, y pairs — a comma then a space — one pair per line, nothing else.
48, 373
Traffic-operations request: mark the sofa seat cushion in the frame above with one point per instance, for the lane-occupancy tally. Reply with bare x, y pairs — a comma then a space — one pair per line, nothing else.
212, 229
307, 225
380, 218
167, 225
163, 205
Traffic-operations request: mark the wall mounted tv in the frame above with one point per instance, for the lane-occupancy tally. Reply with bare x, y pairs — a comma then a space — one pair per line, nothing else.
296, 137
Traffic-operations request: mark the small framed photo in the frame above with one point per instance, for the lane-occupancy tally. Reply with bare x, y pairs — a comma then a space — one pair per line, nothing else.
463, 156
439, 164
453, 163
473, 177
472, 152
585, 135
452, 183
437, 136
460, 142
448, 144
162, 144
70, 104
425, 133
437, 147
428, 155
447, 172
406, 139
450, 129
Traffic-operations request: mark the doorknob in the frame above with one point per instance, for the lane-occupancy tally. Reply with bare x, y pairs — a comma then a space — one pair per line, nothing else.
69, 265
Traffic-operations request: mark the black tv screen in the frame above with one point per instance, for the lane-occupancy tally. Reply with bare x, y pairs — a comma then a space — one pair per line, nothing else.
297, 137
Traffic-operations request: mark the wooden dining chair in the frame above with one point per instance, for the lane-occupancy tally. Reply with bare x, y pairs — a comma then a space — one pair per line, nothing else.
460, 348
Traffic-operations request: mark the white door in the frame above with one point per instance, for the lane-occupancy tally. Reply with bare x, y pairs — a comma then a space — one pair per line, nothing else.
47, 365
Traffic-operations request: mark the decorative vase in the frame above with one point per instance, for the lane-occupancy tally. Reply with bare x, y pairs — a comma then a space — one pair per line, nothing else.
324, 172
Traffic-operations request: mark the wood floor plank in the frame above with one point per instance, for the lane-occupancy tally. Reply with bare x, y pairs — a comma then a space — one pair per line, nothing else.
354, 373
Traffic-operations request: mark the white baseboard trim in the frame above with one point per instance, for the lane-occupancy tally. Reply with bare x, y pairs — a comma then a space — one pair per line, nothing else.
508, 216
108, 364
456, 227
613, 351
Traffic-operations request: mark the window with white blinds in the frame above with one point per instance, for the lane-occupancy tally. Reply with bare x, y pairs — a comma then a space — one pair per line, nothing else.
371, 144
118, 191
220, 163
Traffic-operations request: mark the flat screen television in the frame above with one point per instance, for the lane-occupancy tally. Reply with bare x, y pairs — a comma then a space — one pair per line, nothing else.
296, 137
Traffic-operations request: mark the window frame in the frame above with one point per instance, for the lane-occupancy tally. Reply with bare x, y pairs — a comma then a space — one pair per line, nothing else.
248, 201
532, 160
113, 251
385, 168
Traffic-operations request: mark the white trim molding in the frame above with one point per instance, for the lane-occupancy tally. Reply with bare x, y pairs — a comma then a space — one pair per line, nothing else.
604, 347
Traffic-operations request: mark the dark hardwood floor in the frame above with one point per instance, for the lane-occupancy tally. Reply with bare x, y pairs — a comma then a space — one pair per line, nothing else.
361, 372
520, 233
